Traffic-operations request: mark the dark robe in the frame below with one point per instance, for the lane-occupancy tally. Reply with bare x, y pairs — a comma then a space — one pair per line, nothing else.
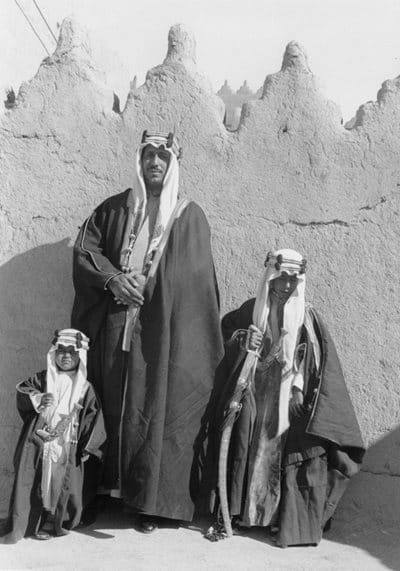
308, 469
154, 397
26, 504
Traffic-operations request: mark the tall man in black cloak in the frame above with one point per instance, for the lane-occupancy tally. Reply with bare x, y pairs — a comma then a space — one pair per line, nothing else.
63, 426
147, 296
296, 440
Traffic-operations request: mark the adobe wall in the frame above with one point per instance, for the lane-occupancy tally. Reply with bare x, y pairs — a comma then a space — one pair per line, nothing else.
234, 100
290, 176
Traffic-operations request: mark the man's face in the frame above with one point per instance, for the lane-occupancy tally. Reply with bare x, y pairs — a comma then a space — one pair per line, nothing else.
285, 285
155, 162
67, 357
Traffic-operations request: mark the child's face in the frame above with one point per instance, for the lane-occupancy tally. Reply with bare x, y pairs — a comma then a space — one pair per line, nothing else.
67, 357
285, 285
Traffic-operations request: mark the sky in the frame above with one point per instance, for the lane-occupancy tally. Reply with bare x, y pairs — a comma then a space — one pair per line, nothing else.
352, 45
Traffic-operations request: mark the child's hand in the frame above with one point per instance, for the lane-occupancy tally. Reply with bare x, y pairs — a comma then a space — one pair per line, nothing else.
254, 338
47, 400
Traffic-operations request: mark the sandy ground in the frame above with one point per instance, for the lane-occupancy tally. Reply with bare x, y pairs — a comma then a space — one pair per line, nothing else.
113, 543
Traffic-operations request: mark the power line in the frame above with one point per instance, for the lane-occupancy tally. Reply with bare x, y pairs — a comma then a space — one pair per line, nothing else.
44, 20
31, 25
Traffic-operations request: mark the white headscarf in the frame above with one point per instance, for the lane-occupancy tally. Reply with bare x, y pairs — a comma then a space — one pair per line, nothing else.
80, 343
292, 263
169, 192
67, 388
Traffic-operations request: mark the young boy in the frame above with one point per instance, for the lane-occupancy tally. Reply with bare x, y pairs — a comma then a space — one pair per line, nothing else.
63, 425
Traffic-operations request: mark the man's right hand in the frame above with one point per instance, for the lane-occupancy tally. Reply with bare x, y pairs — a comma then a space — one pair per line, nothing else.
126, 289
47, 400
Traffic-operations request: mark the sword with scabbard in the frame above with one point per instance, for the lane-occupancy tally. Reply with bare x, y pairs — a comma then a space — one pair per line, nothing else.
46, 433
132, 310
148, 271
232, 412
132, 313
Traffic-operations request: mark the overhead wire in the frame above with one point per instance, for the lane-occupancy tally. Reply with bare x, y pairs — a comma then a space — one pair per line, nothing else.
44, 20
32, 27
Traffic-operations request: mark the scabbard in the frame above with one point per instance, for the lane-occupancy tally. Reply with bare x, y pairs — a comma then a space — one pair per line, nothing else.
130, 319
232, 413
222, 478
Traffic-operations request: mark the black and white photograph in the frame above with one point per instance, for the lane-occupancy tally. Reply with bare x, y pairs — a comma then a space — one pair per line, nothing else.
199, 291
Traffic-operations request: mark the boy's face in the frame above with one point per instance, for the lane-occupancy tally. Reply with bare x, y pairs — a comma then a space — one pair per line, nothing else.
285, 285
67, 357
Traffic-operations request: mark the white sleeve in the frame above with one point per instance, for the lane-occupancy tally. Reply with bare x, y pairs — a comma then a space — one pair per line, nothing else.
36, 399
298, 381
299, 374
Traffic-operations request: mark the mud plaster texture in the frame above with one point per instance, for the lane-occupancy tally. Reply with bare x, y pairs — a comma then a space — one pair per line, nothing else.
291, 175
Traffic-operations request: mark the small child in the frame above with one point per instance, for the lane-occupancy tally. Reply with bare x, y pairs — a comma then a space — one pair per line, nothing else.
63, 425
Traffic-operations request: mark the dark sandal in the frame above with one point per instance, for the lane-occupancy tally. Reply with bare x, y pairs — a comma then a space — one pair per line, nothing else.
147, 526
41, 535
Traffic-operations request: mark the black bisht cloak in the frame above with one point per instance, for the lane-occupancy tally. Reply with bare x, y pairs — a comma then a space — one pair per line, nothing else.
26, 503
155, 419
323, 447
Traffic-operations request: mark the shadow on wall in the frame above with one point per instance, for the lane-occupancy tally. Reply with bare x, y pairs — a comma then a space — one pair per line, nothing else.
35, 299
369, 513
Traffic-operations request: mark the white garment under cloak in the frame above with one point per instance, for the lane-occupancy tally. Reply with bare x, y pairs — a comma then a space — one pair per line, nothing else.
67, 388
293, 319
